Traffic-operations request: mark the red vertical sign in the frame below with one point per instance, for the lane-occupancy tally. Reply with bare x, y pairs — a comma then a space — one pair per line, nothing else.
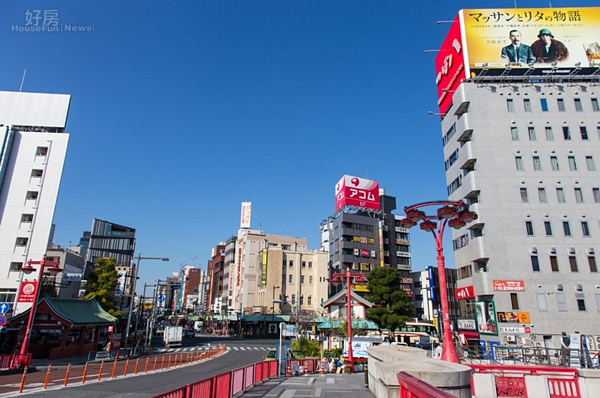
28, 291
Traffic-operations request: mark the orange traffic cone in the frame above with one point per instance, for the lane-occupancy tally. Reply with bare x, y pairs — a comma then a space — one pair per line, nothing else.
321, 369
288, 369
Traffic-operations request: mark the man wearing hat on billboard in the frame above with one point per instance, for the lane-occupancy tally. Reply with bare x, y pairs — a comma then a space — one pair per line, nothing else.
546, 49
517, 51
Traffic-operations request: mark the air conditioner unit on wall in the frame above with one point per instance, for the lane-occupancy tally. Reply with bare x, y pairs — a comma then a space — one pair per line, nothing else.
511, 338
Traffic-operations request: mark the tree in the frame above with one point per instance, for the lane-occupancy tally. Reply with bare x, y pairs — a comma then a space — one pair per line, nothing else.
392, 307
310, 348
101, 283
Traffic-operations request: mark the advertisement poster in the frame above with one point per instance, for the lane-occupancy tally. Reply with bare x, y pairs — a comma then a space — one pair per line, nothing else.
486, 319
541, 37
27, 293
513, 317
355, 191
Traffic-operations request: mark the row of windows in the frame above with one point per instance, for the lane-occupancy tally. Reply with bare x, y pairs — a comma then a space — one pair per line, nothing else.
560, 102
549, 133
363, 227
554, 163
535, 264
560, 195
302, 279
561, 301
566, 225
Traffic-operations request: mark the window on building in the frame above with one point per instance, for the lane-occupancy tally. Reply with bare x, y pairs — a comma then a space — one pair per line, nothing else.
524, 197
285, 263
561, 104
578, 195
596, 194
510, 106
566, 133
549, 134
578, 107
514, 133
537, 165
514, 301
580, 301
531, 131
32, 195
290, 278
592, 263
567, 228
41, 151
309, 300
554, 264
310, 280
21, 242
573, 263
541, 302
560, 195
548, 228
303, 264
554, 163
293, 299
542, 195
561, 302
16, 266
583, 131
529, 228
291, 263
519, 162
302, 279
26, 218
589, 161
544, 104
535, 264
309, 264
572, 163
595, 107
585, 228
527, 105
8, 295
301, 300
37, 173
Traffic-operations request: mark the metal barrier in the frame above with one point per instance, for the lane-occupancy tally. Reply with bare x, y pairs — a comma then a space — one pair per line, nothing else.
225, 385
12, 361
562, 382
411, 387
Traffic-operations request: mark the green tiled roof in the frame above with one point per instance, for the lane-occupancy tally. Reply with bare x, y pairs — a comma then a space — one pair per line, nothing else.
81, 312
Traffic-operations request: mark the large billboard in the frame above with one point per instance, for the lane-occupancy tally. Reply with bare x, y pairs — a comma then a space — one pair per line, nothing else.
513, 41
246, 215
355, 191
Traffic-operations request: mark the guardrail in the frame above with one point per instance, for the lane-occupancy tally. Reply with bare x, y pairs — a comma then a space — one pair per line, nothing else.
411, 387
225, 385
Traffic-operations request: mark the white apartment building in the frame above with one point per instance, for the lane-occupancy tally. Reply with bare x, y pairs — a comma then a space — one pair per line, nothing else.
524, 154
34, 146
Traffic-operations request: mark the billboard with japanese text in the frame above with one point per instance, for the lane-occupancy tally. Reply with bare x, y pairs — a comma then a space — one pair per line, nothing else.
359, 192
541, 42
246, 215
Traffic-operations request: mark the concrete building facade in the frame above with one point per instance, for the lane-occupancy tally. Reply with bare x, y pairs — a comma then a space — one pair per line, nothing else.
34, 146
524, 155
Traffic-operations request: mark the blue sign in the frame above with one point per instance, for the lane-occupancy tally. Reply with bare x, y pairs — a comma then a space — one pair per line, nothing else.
161, 299
4, 307
2, 320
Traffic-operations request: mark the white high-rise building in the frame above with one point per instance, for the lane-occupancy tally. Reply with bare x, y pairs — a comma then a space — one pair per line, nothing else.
33, 150
522, 148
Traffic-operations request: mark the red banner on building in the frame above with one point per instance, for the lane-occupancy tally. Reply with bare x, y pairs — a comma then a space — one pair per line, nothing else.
464, 293
27, 293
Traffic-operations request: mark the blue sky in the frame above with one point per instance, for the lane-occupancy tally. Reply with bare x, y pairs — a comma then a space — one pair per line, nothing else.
182, 110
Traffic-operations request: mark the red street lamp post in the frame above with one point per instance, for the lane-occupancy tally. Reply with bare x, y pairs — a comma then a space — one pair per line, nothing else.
24, 359
456, 215
336, 279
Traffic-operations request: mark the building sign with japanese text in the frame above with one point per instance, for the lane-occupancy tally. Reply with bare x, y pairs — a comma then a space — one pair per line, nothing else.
466, 324
28, 292
359, 192
461, 293
513, 317
513, 286
450, 66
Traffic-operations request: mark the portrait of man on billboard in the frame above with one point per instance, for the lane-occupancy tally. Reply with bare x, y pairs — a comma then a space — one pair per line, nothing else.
486, 320
517, 52
547, 50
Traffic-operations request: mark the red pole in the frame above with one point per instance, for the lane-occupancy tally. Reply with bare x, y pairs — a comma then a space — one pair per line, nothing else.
23, 358
348, 291
448, 349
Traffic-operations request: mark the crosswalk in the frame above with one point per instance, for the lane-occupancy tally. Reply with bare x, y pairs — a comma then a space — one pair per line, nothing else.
229, 348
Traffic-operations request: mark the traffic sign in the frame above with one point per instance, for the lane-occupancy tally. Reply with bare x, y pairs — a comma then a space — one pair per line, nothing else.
161, 299
2, 320
4, 307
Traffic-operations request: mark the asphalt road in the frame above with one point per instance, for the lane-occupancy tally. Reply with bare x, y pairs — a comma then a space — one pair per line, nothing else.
241, 352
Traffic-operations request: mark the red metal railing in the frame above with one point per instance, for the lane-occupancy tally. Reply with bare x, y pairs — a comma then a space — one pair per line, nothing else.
225, 385
411, 387
562, 382
12, 361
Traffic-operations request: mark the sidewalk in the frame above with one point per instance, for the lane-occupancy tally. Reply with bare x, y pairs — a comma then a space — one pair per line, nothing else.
313, 385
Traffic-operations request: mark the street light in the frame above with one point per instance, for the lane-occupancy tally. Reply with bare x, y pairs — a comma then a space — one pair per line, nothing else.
24, 359
135, 275
273, 303
456, 215
359, 279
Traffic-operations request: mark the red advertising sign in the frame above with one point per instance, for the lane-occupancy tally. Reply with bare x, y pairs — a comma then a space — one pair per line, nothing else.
450, 66
513, 286
364, 253
354, 191
466, 292
27, 293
